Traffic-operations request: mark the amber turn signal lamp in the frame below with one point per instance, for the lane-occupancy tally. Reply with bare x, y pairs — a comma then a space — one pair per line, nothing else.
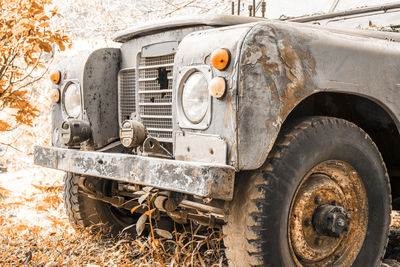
55, 95
220, 58
217, 87
55, 77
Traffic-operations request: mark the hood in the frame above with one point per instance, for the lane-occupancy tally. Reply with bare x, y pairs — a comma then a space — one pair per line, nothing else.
182, 22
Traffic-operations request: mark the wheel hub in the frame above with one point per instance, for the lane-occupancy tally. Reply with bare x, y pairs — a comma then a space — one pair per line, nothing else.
328, 216
329, 220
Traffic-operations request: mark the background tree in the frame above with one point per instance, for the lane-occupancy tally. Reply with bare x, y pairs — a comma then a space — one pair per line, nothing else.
27, 42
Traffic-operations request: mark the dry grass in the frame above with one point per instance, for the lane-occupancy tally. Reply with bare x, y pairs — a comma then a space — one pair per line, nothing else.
34, 230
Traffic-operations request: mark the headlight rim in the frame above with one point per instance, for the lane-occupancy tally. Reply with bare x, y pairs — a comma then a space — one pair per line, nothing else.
64, 107
182, 76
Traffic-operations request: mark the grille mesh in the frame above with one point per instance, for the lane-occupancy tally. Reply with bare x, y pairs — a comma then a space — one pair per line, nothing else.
155, 104
127, 96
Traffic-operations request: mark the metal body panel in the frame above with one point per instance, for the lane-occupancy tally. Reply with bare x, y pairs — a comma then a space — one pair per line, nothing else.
194, 52
283, 63
178, 23
204, 180
96, 74
99, 90
200, 147
72, 70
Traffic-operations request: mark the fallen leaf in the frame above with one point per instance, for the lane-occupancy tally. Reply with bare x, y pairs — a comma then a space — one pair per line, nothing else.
163, 233
141, 223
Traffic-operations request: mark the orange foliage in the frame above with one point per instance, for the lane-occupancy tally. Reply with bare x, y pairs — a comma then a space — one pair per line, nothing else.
26, 35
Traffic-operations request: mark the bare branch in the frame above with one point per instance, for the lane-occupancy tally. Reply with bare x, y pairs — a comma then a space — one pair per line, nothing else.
181, 7
11, 146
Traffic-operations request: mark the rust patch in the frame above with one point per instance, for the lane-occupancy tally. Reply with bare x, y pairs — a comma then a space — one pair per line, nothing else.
272, 87
331, 184
232, 153
310, 60
269, 68
252, 55
295, 74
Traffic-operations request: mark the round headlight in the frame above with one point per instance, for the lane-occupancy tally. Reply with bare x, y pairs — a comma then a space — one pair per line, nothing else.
195, 97
72, 100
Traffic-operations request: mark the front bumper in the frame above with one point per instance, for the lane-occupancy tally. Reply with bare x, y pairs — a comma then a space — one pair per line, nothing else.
195, 178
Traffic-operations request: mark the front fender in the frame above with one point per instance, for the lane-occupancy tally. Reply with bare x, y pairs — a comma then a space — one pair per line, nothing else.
282, 63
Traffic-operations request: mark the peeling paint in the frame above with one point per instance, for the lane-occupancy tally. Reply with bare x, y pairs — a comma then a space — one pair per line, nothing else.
295, 73
186, 177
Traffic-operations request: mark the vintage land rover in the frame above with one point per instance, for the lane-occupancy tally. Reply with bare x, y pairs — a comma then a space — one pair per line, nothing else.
283, 133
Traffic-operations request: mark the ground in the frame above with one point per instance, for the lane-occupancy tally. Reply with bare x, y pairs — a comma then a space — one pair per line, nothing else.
34, 230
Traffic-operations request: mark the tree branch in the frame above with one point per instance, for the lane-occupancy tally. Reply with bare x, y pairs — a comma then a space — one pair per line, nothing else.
9, 145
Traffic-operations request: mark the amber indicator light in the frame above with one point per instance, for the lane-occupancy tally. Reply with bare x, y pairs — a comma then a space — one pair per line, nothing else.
55, 77
220, 58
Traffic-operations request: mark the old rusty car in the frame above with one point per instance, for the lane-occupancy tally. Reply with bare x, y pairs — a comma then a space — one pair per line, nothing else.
285, 133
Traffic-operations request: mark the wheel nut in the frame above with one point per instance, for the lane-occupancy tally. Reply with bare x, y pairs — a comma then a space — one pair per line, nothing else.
340, 222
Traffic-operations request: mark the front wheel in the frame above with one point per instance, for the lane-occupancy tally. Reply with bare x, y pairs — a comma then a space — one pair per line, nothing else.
96, 214
321, 199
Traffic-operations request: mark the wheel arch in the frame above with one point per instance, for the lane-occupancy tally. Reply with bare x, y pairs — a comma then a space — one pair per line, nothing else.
369, 114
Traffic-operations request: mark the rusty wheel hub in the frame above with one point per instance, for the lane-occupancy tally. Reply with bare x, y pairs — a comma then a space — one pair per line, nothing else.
329, 220
328, 216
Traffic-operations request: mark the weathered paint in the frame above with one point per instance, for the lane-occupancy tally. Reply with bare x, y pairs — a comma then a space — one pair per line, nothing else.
99, 89
282, 63
151, 28
275, 65
194, 52
96, 74
201, 179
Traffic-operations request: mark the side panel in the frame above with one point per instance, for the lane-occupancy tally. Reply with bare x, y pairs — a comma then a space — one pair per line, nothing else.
99, 86
71, 69
283, 63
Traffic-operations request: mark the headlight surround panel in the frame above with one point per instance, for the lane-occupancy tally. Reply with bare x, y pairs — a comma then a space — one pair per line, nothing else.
72, 99
197, 117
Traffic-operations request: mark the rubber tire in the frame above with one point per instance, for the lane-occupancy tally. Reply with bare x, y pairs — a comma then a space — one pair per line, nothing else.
86, 212
257, 220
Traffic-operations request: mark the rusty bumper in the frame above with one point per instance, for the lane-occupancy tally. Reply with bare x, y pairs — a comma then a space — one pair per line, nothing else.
195, 178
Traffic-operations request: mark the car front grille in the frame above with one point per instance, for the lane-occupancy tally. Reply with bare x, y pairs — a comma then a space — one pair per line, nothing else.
154, 102
126, 94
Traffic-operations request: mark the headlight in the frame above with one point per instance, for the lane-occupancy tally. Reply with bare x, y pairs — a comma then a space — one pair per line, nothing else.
195, 97
72, 100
